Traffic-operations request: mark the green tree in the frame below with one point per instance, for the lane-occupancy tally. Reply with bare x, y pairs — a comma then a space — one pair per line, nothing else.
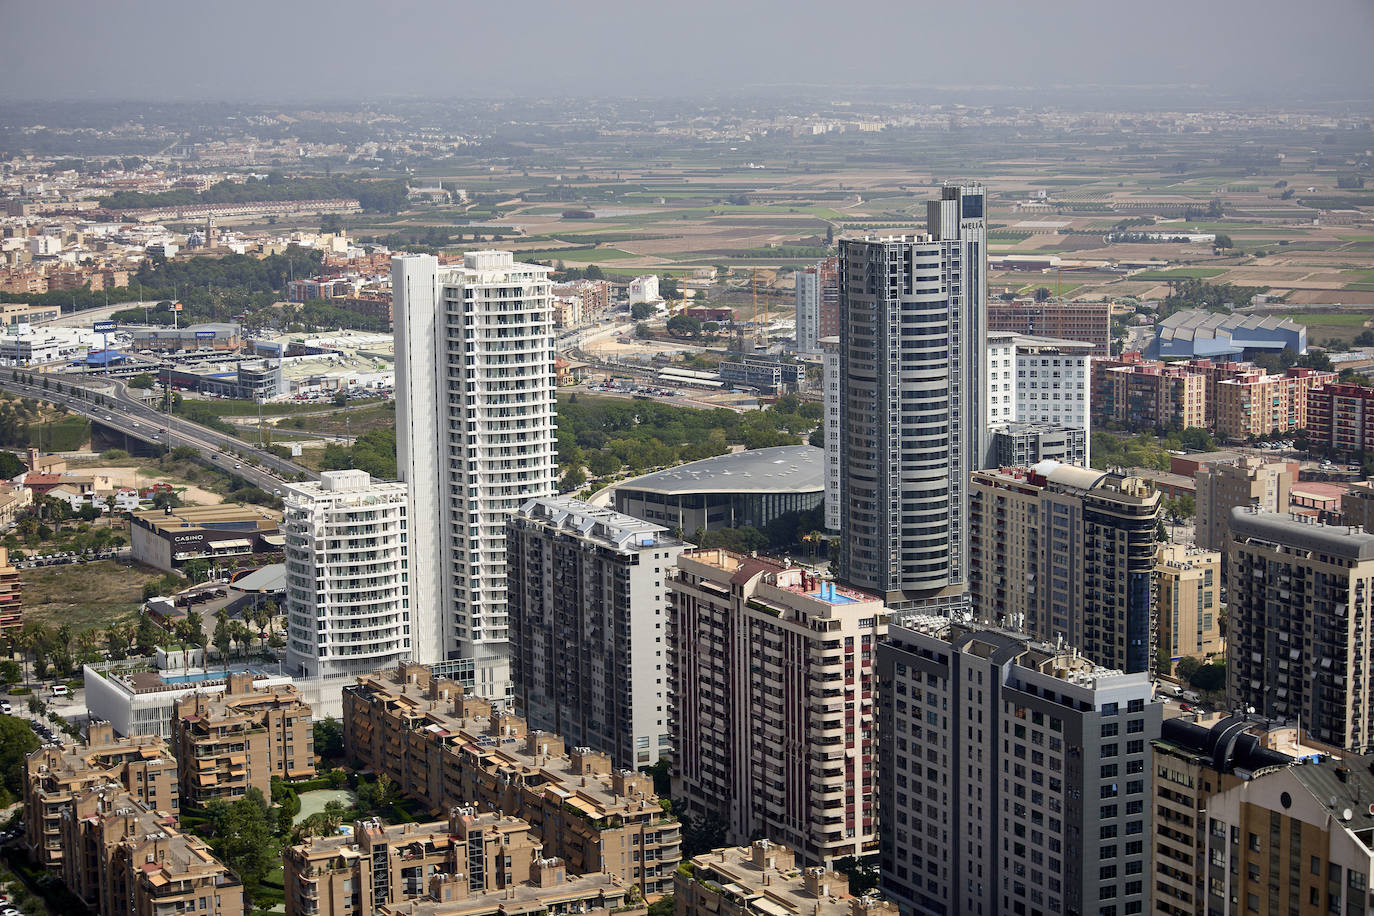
143, 380
248, 844
329, 738
641, 310
574, 479
17, 741
1223, 241
684, 326
11, 465
642, 331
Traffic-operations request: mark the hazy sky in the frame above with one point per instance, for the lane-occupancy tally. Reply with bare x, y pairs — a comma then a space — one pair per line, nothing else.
251, 50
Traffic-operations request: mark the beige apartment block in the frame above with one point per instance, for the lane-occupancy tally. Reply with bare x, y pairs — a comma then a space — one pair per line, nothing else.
1245, 482
1296, 841
127, 860
763, 878
229, 742
378, 865
1188, 599
446, 747
142, 765
550, 890
772, 680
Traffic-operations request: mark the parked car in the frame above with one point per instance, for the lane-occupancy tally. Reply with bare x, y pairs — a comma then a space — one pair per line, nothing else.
60, 690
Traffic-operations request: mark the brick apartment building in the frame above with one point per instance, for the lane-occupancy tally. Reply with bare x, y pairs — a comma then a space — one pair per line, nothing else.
1087, 322
1340, 419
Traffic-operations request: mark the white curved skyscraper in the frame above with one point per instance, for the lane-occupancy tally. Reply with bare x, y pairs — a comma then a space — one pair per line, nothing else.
475, 441
348, 605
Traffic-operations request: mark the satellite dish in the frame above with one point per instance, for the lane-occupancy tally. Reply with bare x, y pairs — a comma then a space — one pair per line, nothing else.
1347, 814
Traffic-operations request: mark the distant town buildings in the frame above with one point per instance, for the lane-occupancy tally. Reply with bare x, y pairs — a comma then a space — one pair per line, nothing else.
587, 592
644, 290
347, 549
1066, 553
913, 425
771, 670
1340, 419
1014, 776
475, 439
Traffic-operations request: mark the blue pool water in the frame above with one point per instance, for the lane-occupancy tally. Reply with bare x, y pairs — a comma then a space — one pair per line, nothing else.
215, 675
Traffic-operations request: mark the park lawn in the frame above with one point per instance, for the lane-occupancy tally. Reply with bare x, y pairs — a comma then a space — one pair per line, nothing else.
85, 595
1180, 273
1331, 319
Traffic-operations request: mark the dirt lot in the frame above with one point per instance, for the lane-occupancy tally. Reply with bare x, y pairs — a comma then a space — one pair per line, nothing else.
85, 595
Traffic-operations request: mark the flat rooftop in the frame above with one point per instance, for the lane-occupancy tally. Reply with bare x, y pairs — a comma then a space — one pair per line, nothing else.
783, 469
208, 516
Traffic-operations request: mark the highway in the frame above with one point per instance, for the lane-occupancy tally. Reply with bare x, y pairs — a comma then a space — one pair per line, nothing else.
126, 414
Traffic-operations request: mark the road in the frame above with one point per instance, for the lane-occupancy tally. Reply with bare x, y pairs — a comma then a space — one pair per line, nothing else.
126, 414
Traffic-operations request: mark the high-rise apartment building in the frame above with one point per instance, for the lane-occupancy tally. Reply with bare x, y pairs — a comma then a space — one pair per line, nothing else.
1224, 486
913, 369
348, 605
1065, 552
229, 743
475, 440
1188, 598
588, 597
1295, 840
772, 690
53, 776
1014, 776
830, 349
1300, 625
817, 302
